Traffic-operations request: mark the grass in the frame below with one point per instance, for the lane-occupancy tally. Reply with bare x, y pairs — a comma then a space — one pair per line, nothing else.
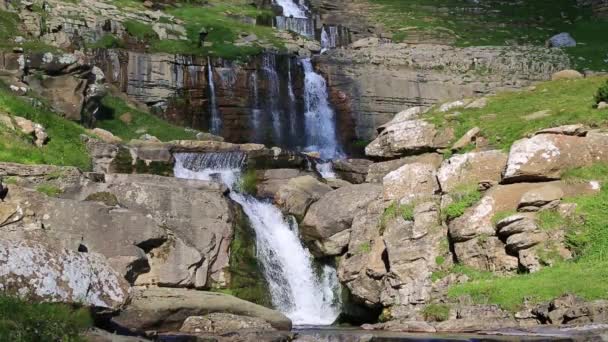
436, 312
463, 198
248, 183
139, 30
64, 148
503, 120
602, 93
395, 210
365, 248
494, 22
10, 28
22, 321
585, 276
49, 190
113, 108
108, 41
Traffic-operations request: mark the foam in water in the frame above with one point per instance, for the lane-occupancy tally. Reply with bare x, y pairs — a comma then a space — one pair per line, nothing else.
292, 9
216, 120
296, 289
319, 116
302, 26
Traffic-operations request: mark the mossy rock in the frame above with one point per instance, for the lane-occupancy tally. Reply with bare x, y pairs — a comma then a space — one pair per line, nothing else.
106, 198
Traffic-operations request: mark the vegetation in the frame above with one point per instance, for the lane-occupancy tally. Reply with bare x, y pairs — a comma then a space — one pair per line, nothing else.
108, 41
602, 93
495, 22
139, 30
248, 183
49, 190
135, 123
64, 148
22, 321
504, 120
365, 248
10, 28
501, 215
436, 312
406, 211
463, 198
585, 276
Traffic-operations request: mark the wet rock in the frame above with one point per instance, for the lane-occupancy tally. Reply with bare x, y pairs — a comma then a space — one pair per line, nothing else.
43, 272
402, 326
352, 170
166, 309
471, 168
411, 182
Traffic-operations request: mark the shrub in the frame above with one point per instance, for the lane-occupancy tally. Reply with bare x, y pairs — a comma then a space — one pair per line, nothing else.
248, 183
436, 312
24, 321
393, 211
602, 93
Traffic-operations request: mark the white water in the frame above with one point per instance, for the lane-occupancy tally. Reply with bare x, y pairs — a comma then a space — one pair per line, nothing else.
319, 116
329, 38
270, 70
216, 120
292, 102
256, 112
326, 170
292, 9
302, 26
296, 290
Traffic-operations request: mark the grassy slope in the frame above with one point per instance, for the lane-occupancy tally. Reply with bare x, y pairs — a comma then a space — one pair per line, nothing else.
21, 321
112, 110
502, 122
64, 147
586, 276
494, 22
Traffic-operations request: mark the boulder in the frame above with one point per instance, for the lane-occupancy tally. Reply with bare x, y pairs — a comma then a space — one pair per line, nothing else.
467, 139
378, 171
299, 194
561, 40
29, 127
411, 182
547, 196
221, 323
566, 75
471, 168
446, 107
408, 137
479, 103
404, 115
546, 156
521, 241
270, 181
402, 326
166, 309
485, 253
43, 272
516, 224
578, 130
335, 211
474, 318
352, 170
66, 93
105, 136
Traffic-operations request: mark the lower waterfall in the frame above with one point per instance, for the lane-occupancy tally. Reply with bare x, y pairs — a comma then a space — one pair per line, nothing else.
306, 295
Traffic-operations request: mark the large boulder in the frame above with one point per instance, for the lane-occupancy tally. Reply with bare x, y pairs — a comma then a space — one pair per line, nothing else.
352, 170
408, 137
561, 40
196, 213
547, 156
299, 194
411, 182
471, 168
335, 211
378, 171
166, 309
270, 181
221, 323
46, 273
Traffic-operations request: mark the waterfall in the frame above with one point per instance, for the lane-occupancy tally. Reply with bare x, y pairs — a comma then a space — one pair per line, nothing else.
319, 117
302, 26
306, 297
269, 68
292, 9
256, 112
329, 38
292, 102
216, 120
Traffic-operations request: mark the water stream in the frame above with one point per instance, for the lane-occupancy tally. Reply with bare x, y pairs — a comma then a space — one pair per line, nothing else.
307, 295
216, 119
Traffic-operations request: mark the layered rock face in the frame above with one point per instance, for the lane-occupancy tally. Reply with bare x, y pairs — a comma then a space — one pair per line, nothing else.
371, 80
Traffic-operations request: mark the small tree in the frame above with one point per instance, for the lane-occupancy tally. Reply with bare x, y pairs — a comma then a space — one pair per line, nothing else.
602, 93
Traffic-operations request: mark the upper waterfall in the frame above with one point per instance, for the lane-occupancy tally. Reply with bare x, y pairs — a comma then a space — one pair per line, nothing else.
306, 296
293, 9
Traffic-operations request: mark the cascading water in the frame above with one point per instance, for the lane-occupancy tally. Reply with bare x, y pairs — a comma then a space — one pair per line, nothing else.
216, 119
295, 18
292, 9
319, 116
269, 68
256, 112
292, 102
296, 289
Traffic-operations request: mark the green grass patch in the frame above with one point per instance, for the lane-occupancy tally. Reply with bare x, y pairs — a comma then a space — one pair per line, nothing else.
108, 41
436, 312
137, 122
139, 30
395, 210
22, 321
365, 248
64, 148
248, 183
585, 276
495, 22
10, 28
463, 198
602, 93
504, 121
49, 190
